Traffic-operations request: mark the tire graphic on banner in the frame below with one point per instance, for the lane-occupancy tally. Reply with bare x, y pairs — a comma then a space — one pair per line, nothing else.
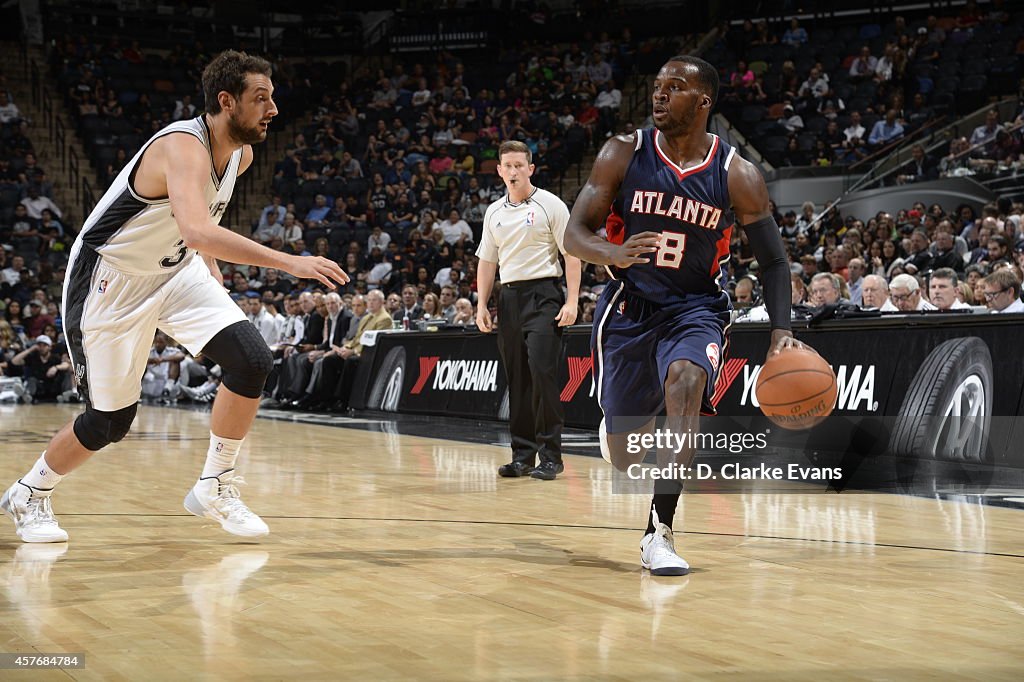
947, 411
387, 386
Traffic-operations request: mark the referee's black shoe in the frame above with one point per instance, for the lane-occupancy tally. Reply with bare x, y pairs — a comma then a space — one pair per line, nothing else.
548, 470
514, 470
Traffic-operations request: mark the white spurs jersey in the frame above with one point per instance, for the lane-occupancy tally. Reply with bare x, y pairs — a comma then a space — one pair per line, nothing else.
140, 235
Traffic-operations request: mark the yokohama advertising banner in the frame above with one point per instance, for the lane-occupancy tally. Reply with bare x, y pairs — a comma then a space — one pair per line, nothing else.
929, 379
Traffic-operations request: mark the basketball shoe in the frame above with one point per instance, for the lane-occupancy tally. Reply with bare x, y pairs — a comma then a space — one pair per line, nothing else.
33, 516
603, 440
217, 498
602, 437
658, 553
201, 394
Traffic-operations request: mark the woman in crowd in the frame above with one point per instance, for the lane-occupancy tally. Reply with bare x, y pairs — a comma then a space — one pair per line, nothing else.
431, 306
798, 289
423, 276
892, 258
13, 313
321, 247
10, 344
51, 331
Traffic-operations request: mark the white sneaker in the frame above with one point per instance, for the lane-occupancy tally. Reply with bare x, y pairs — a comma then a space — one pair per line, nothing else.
201, 394
218, 498
658, 553
32, 514
602, 438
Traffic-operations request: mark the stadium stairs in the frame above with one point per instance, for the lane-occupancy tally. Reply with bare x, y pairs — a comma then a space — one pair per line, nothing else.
44, 109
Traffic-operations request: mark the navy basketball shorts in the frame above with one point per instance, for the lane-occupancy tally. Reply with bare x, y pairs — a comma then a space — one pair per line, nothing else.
634, 342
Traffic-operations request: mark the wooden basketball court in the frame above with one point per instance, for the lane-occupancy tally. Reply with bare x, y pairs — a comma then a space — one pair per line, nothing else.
399, 557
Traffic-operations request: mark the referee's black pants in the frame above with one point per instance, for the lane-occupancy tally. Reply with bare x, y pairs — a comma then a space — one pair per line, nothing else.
530, 340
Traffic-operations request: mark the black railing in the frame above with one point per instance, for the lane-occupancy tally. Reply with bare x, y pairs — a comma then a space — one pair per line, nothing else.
60, 136
71, 167
74, 175
88, 198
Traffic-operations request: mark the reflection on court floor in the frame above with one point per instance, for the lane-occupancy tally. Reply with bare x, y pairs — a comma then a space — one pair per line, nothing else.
404, 557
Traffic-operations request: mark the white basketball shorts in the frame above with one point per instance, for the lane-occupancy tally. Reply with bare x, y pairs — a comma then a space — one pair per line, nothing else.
110, 318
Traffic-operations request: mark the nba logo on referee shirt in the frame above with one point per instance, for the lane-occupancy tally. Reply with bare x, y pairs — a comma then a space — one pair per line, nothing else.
102, 287
531, 218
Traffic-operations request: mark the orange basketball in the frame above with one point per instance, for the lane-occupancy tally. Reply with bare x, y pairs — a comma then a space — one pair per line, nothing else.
796, 389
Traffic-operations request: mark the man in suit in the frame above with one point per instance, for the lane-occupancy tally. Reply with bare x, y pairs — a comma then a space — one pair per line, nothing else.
339, 369
294, 364
335, 327
411, 309
920, 168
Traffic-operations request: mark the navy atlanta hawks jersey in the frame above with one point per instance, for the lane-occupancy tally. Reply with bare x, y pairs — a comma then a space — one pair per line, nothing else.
690, 207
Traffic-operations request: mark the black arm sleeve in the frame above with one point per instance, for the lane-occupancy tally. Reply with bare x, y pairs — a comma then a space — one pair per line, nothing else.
766, 242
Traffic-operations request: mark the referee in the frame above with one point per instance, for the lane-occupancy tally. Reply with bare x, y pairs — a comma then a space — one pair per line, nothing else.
523, 234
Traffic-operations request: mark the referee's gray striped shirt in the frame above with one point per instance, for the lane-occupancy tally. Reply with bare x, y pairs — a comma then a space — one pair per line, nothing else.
524, 239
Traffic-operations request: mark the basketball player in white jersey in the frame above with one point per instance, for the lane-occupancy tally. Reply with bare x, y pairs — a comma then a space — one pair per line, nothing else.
146, 259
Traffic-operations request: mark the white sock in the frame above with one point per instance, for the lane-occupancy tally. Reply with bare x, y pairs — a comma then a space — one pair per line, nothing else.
41, 476
221, 456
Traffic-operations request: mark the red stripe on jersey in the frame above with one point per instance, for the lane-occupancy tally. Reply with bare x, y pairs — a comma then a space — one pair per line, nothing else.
721, 250
615, 227
681, 173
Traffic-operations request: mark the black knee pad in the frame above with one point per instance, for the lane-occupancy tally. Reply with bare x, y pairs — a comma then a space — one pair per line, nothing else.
244, 358
96, 430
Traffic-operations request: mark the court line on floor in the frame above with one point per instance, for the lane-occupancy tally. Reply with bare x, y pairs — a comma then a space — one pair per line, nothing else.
400, 423
570, 526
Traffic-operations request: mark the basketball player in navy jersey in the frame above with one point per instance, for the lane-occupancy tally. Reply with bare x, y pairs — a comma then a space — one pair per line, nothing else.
675, 194
146, 259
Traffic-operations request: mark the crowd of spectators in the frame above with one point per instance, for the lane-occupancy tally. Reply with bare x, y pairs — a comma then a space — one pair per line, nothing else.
30, 220
391, 177
829, 96
120, 94
393, 174
33, 244
922, 258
